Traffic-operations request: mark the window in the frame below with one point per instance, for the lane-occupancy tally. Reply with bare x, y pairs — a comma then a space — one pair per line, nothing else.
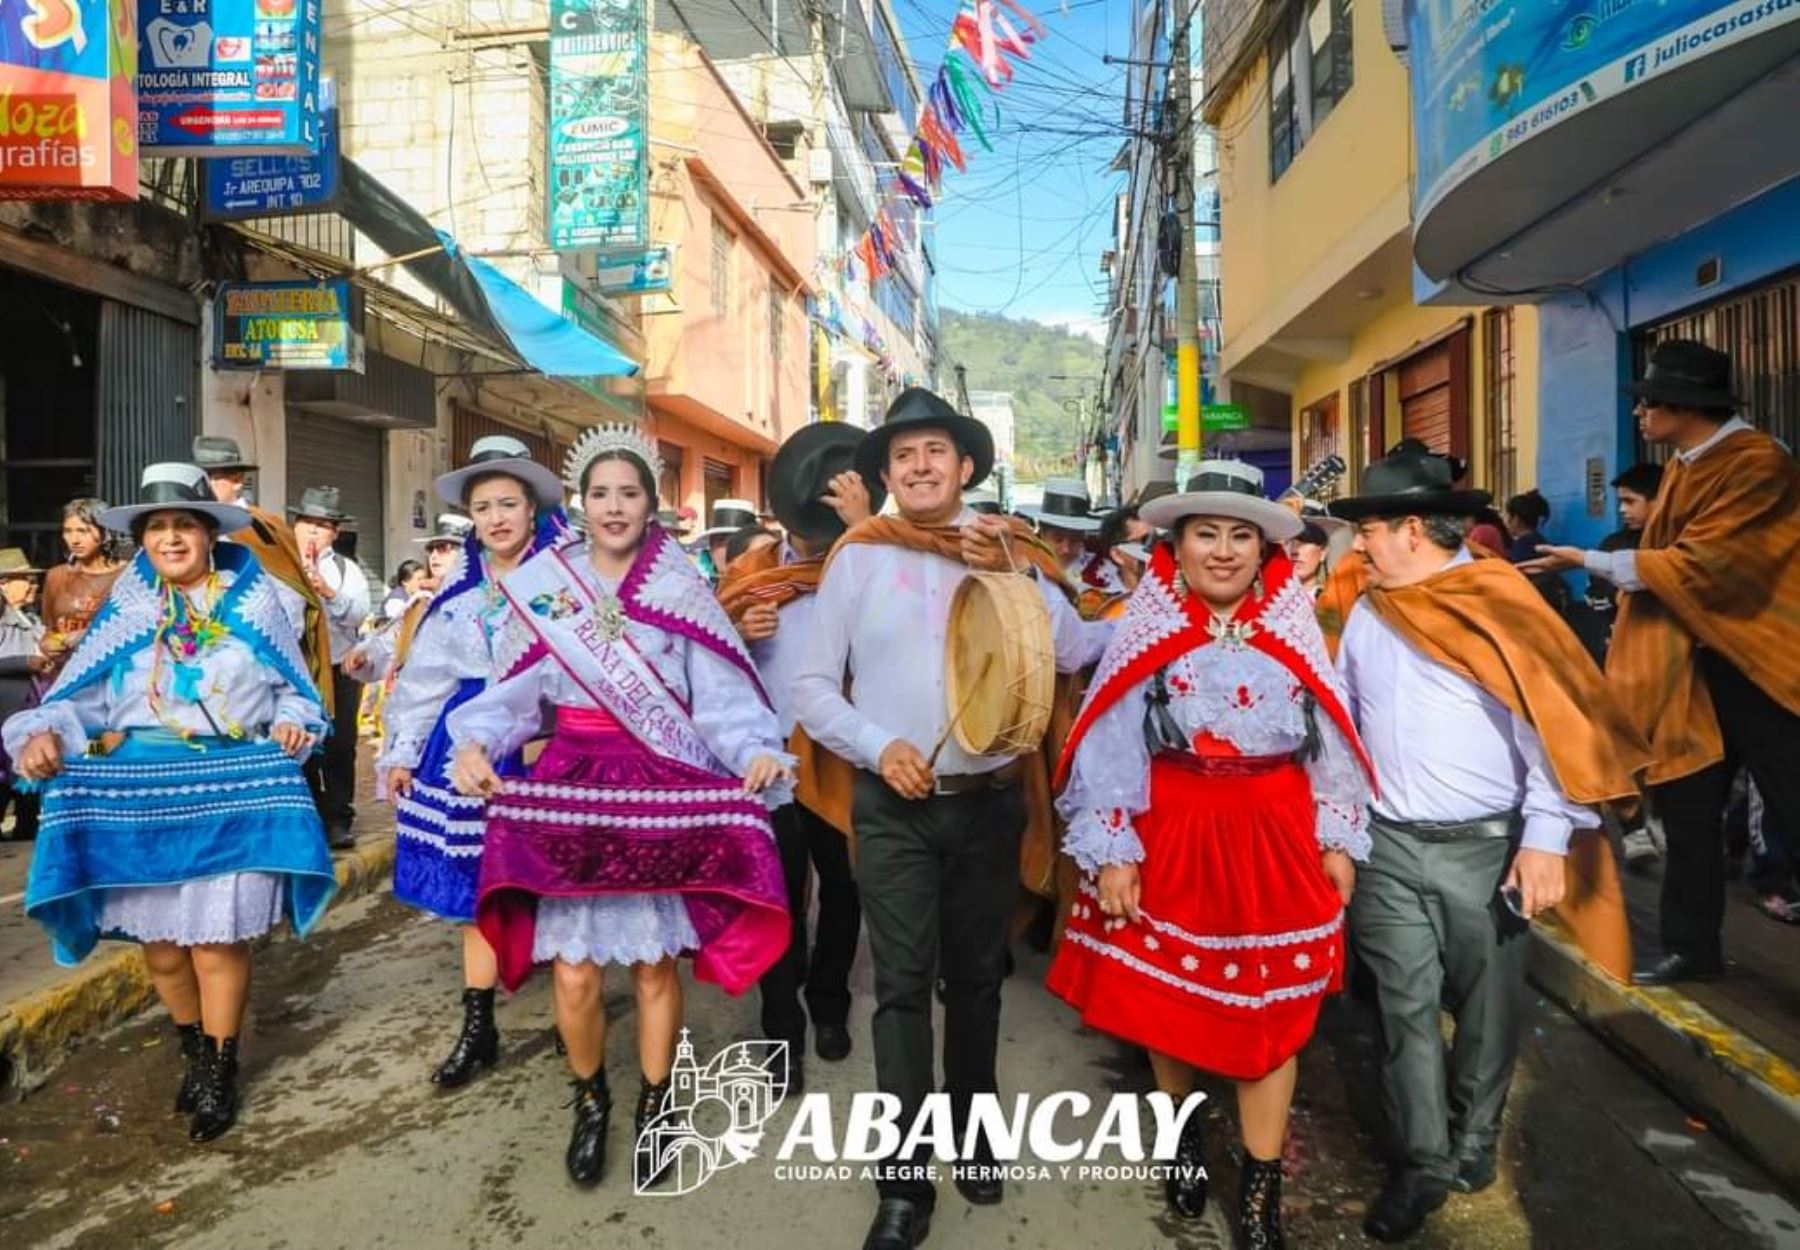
1310, 69
1320, 436
1497, 368
721, 268
777, 315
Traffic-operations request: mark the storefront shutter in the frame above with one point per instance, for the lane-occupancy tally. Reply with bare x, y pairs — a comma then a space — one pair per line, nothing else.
322, 451
149, 388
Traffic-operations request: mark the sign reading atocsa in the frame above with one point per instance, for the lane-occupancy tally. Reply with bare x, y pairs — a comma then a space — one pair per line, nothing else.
283, 325
68, 107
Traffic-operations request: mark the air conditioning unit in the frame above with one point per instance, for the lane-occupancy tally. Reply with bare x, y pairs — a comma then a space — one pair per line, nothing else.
820, 164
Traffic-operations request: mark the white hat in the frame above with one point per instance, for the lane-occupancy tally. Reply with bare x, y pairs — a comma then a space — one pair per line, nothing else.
1227, 488
1065, 506
502, 453
174, 485
452, 528
729, 516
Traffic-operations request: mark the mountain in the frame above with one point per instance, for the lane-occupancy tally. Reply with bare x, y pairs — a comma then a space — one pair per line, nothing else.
1025, 358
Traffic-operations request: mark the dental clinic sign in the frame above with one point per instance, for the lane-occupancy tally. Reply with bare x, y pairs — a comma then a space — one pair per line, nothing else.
1488, 75
68, 110
228, 77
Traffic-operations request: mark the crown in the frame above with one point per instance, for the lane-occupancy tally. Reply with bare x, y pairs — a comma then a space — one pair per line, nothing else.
597, 440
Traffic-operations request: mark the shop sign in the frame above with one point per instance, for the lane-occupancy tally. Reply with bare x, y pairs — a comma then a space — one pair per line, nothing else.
68, 100
1488, 75
650, 271
228, 77
1218, 417
242, 187
284, 325
599, 105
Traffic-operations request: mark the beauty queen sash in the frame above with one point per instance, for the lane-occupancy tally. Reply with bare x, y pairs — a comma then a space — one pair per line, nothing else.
585, 634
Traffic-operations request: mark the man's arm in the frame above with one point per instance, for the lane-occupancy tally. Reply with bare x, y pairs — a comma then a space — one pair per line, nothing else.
1078, 643
819, 702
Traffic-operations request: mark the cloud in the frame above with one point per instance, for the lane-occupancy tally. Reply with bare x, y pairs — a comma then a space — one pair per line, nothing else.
1085, 324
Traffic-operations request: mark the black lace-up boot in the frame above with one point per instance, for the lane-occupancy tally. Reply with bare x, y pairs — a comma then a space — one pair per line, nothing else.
477, 1046
1259, 1205
587, 1144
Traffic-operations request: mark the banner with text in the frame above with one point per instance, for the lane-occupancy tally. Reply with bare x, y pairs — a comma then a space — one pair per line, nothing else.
239, 188
284, 325
229, 77
599, 106
68, 100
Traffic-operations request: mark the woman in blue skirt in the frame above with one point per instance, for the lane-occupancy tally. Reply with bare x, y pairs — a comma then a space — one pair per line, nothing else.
444, 659
175, 812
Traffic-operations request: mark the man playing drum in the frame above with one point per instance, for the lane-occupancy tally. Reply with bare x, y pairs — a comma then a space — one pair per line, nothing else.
937, 829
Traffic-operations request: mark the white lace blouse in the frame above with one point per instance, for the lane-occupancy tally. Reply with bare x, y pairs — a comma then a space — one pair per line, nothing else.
1237, 695
457, 641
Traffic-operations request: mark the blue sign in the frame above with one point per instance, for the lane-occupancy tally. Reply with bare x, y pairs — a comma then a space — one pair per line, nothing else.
228, 77
1488, 75
283, 325
651, 270
243, 187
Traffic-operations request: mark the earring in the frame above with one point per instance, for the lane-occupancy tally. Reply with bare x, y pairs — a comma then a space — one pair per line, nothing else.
1257, 589
1180, 584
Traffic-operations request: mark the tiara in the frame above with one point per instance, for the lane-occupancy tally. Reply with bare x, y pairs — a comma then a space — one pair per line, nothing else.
597, 440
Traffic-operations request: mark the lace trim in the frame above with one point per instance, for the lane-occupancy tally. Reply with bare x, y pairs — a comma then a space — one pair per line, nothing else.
1255, 1002
1221, 942
1098, 838
1345, 829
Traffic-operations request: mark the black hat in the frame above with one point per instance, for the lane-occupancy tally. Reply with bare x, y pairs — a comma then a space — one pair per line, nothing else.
729, 516
920, 409
1688, 375
320, 503
175, 485
983, 501
802, 471
215, 454
1410, 483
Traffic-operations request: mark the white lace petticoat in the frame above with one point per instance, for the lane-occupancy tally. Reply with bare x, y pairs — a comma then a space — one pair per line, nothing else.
234, 907
613, 929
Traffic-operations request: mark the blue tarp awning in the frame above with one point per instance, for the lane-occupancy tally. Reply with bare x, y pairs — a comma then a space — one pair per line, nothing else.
549, 341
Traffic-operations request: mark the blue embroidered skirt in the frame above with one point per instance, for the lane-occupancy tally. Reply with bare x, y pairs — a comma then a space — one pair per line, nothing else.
157, 812
438, 832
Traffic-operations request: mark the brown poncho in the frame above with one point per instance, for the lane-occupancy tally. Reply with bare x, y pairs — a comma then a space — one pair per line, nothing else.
269, 537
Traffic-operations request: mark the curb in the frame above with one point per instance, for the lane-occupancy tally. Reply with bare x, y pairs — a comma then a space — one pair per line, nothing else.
35, 1030
1737, 1085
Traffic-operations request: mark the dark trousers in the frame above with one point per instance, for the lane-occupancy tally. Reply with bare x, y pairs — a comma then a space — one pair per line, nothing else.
1761, 736
332, 772
939, 877
1428, 923
808, 843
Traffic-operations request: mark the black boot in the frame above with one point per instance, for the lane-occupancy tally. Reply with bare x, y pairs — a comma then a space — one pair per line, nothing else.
193, 1051
215, 1102
649, 1106
1259, 1205
1186, 1187
587, 1144
476, 1046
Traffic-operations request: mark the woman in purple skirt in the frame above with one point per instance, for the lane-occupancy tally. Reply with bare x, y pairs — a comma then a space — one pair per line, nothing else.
642, 832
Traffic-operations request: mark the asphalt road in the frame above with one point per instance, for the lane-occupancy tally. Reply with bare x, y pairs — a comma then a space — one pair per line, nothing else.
342, 1142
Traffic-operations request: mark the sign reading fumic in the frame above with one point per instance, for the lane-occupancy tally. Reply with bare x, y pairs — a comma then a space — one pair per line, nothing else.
283, 325
599, 102
239, 187
1488, 75
228, 76
67, 129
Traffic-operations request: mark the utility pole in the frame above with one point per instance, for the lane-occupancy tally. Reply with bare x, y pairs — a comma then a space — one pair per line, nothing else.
1187, 282
962, 391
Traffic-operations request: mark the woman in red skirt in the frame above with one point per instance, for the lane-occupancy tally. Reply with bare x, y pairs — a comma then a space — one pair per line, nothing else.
1216, 798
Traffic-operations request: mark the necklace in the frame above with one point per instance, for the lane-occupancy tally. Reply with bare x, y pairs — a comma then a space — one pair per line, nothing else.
186, 631
1230, 633
609, 615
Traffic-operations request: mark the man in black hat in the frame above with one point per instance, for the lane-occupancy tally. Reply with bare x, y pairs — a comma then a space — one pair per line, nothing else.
770, 594
1706, 647
937, 829
344, 591
1481, 794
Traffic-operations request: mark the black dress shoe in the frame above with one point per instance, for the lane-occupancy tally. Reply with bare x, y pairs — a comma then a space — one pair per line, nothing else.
1672, 969
586, 1158
831, 1042
476, 1047
1475, 1172
340, 838
1402, 1206
899, 1224
980, 1183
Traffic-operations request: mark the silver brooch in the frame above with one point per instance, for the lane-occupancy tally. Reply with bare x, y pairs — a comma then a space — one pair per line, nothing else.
1234, 634
609, 618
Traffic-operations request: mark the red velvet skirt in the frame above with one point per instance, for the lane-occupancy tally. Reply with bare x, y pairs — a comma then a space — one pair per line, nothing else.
1241, 933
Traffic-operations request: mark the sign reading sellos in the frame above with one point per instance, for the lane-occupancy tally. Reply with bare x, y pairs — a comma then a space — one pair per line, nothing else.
599, 104
243, 187
238, 77
283, 325
66, 100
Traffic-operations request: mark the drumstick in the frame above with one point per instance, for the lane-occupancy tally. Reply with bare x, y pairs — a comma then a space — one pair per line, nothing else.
987, 662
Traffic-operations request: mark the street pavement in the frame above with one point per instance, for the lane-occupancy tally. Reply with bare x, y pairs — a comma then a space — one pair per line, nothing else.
343, 1142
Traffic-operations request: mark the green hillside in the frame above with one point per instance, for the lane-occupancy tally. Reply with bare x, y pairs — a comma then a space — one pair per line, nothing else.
1001, 354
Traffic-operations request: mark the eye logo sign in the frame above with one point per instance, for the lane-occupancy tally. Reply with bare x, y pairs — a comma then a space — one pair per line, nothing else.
712, 1118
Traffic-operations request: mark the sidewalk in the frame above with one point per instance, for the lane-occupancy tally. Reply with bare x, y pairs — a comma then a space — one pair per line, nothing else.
1728, 1050
45, 1009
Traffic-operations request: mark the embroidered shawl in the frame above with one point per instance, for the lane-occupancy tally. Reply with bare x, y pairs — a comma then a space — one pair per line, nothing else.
467, 574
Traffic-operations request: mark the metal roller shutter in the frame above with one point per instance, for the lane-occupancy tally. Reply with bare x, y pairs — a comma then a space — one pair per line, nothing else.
148, 383
323, 451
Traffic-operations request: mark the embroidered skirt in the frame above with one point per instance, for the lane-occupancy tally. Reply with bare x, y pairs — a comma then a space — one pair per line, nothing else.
1241, 933
160, 841
438, 832
608, 853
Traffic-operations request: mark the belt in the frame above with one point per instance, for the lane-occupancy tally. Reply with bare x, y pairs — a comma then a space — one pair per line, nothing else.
1003, 778
1481, 828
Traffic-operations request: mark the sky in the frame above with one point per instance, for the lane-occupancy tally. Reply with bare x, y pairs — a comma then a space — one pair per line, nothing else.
1022, 231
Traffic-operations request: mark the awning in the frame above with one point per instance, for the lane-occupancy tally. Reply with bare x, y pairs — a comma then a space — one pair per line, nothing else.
484, 297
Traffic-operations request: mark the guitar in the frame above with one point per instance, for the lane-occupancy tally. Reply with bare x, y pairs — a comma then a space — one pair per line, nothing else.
1316, 478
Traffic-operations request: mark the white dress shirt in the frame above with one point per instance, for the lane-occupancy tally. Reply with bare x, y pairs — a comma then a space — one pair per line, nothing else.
882, 614
1444, 748
1620, 567
779, 658
349, 602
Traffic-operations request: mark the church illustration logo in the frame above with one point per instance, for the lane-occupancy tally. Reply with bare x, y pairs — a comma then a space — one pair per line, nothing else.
712, 1117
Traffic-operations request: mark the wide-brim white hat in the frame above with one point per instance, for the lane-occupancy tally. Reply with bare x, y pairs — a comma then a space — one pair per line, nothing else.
174, 485
501, 453
1227, 488
1065, 506
729, 516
